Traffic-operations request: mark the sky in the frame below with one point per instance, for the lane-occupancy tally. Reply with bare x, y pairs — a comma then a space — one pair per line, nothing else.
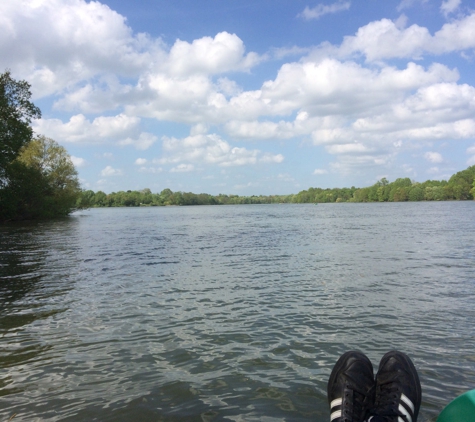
249, 97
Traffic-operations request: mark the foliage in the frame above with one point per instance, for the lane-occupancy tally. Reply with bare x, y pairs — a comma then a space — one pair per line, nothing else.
460, 186
16, 113
55, 165
146, 198
25, 196
42, 183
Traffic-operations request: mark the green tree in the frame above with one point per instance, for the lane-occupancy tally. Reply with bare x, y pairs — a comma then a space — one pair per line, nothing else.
460, 184
23, 198
16, 113
54, 165
416, 193
87, 199
100, 199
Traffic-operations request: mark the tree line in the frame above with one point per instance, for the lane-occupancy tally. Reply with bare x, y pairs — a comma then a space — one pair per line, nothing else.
461, 186
37, 176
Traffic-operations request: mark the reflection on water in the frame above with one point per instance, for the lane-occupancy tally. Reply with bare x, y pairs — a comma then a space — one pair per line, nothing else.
230, 313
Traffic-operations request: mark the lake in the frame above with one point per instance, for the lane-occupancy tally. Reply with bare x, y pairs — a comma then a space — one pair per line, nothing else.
230, 313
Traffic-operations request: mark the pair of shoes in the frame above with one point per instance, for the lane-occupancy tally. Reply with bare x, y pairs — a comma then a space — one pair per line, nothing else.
355, 396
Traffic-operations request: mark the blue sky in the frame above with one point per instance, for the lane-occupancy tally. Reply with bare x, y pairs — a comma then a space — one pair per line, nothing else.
249, 97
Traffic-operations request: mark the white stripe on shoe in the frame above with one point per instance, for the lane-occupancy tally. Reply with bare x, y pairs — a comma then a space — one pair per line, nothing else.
406, 407
336, 402
403, 410
408, 401
337, 413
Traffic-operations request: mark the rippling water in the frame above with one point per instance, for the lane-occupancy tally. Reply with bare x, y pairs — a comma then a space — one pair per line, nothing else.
230, 313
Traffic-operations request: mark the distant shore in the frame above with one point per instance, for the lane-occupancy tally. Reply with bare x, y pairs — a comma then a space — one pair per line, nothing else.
461, 186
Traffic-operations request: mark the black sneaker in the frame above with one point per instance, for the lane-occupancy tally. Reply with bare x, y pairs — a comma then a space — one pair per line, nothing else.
398, 390
351, 388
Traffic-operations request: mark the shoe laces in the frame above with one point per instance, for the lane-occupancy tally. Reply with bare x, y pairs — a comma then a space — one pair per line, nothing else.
359, 400
386, 403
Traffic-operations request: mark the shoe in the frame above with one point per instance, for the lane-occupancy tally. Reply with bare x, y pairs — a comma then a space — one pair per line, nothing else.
398, 390
351, 388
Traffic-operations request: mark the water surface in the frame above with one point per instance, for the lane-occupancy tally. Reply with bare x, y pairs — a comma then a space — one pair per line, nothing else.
231, 313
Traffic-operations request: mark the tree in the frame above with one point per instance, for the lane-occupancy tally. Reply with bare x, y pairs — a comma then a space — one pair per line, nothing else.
416, 193
52, 161
24, 196
460, 184
16, 113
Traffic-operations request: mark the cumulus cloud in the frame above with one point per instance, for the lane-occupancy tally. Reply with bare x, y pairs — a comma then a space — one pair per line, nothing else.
320, 171
211, 149
141, 161
207, 55
182, 168
78, 161
433, 157
57, 43
449, 6
144, 141
150, 170
120, 129
110, 171
324, 9
337, 104
385, 39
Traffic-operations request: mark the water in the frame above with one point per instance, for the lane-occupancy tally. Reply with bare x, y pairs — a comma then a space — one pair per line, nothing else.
233, 313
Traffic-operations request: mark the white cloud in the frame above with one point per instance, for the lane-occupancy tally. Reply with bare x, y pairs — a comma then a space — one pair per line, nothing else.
384, 39
353, 148
182, 168
449, 6
78, 161
141, 161
343, 102
433, 157
144, 141
228, 87
320, 171
106, 155
406, 4
120, 129
56, 43
324, 9
208, 56
150, 170
211, 149
110, 171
